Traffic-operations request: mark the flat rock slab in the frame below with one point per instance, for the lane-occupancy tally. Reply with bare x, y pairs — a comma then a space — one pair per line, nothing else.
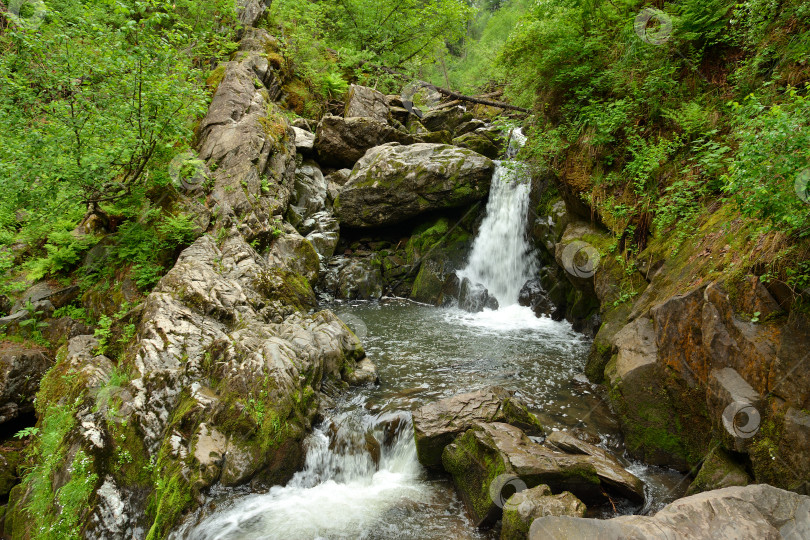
393, 183
522, 508
761, 511
436, 425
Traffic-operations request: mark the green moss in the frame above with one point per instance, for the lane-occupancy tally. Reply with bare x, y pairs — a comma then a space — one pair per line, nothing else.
215, 77
287, 287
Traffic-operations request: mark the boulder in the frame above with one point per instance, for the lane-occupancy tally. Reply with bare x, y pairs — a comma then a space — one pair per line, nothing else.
534, 296
436, 425
21, 369
445, 119
366, 102
353, 279
758, 511
309, 193
481, 143
393, 183
57, 296
718, 471
294, 253
323, 232
486, 455
609, 469
529, 504
341, 142
304, 141
474, 297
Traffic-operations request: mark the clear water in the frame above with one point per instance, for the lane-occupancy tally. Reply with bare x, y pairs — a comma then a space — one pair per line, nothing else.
422, 354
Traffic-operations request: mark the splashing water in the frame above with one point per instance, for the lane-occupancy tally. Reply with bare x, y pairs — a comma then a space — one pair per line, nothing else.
501, 257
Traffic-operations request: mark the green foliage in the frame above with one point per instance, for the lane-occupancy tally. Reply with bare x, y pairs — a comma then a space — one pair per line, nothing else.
774, 152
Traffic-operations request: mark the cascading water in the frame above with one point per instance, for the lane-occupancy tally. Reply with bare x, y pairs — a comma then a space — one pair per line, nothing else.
362, 478
501, 258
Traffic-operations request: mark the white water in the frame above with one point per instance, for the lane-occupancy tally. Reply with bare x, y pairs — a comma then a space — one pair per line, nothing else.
341, 492
501, 257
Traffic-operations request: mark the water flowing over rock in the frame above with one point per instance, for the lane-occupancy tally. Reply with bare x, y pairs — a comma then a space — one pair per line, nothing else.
759, 511
393, 183
501, 256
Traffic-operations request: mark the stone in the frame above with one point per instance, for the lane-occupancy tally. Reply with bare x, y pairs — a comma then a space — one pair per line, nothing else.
341, 142
251, 142
489, 456
310, 192
21, 369
474, 297
324, 234
759, 511
304, 141
294, 253
609, 469
366, 102
394, 183
522, 508
354, 279
718, 471
445, 119
57, 296
534, 296
251, 11
365, 372
481, 143
436, 424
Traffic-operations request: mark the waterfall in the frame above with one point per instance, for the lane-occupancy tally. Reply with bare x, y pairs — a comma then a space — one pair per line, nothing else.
501, 257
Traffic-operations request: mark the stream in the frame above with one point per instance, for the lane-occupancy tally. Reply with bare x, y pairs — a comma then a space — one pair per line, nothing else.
362, 478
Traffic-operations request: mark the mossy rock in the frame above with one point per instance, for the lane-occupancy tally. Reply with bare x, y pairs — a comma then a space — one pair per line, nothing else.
286, 287
718, 471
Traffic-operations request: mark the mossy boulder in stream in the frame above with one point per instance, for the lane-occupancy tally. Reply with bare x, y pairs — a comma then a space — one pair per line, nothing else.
525, 506
490, 458
436, 424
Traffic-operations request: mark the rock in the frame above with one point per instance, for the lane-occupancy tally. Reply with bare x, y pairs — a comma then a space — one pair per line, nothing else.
341, 142
304, 141
365, 372
11, 456
393, 183
58, 296
474, 297
548, 230
759, 511
399, 114
324, 234
310, 193
718, 471
480, 457
21, 370
436, 425
367, 102
534, 296
435, 137
468, 127
645, 413
251, 11
445, 119
736, 409
354, 279
609, 469
252, 144
339, 177
481, 143
525, 506
294, 253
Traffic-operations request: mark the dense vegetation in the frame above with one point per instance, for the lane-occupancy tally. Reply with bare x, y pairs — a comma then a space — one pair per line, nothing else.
707, 102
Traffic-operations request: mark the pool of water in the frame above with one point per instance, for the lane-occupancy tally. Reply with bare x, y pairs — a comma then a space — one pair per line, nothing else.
422, 354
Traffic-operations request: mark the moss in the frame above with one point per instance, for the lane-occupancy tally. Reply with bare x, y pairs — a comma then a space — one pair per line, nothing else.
286, 287
215, 78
